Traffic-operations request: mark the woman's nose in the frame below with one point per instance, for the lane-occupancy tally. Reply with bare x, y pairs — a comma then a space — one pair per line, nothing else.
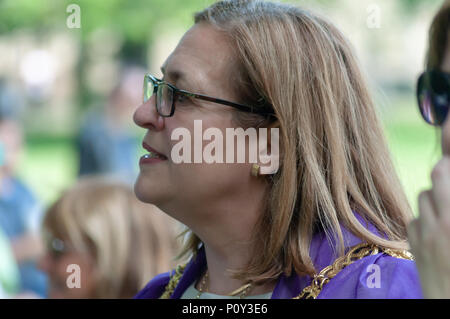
146, 116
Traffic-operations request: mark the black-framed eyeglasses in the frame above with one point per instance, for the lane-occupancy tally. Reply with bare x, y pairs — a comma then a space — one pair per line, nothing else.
433, 96
166, 95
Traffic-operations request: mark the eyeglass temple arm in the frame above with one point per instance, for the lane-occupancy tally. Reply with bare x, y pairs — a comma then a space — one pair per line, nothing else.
242, 107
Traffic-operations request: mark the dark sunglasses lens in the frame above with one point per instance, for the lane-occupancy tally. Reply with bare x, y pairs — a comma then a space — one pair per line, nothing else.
164, 100
433, 94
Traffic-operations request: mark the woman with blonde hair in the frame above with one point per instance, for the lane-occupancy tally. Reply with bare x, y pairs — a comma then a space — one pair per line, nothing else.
254, 231
99, 231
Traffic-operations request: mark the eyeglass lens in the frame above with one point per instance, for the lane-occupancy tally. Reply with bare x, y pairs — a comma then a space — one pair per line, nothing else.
164, 95
164, 99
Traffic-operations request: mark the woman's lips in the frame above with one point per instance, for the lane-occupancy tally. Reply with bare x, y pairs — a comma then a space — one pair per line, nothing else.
152, 157
152, 151
146, 159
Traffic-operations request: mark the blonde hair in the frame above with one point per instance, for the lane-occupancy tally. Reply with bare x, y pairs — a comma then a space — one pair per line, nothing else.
130, 241
334, 157
438, 36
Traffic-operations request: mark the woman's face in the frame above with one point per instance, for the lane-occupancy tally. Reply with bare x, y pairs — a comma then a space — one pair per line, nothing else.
446, 126
201, 63
62, 269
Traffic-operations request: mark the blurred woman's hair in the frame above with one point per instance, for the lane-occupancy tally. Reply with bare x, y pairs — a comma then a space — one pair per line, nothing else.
129, 241
438, 37
334, 157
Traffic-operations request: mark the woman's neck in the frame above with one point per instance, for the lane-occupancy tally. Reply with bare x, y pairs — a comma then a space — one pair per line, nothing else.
225, 224
220, 264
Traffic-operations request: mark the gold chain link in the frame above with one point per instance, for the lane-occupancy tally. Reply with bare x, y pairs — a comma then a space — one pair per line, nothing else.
173, 282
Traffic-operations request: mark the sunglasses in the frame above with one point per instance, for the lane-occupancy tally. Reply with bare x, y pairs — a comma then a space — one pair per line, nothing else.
167, 94
433, 96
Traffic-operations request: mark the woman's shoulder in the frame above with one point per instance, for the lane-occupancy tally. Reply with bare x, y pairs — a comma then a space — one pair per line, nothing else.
366, 270
382, 274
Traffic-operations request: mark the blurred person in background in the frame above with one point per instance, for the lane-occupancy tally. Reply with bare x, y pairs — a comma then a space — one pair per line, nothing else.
20, 211
429, 234
9, 271
118, 242
105, 142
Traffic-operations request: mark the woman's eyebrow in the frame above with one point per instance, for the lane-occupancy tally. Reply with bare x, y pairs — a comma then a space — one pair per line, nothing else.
173, 75
179, 77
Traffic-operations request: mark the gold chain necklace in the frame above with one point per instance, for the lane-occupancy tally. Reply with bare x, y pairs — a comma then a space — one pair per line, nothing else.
242, 291
312, 291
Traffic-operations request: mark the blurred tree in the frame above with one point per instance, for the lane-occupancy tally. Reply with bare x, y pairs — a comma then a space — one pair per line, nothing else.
135, 22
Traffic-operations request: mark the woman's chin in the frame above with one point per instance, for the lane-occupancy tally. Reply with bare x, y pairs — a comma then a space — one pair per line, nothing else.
141, 192
147, 191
